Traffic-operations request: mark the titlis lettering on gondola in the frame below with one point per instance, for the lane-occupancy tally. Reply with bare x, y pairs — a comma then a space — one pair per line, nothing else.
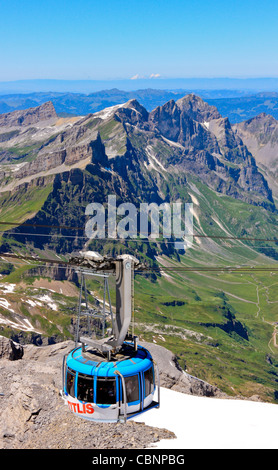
82, 408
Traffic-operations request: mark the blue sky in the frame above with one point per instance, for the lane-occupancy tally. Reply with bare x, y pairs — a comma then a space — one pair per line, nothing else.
115, 39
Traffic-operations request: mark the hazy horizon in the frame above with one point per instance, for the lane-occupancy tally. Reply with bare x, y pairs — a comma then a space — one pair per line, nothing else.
266, 84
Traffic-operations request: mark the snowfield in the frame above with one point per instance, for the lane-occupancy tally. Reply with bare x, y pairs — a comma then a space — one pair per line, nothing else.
7, 288
213, 423
5, 304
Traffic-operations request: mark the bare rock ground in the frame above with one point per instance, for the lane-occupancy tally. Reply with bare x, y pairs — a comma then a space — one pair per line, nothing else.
34, 416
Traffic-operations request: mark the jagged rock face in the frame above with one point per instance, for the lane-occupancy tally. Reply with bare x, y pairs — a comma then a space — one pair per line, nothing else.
29, 116
187, 136
10, 350
197, 109
177, 123
67, 148
208, 144
132, 113
166, 119
98, 152
263, 126
260, 135
230, 144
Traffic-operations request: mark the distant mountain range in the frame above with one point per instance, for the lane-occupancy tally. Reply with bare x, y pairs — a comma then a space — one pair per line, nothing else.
234, 104
253, 85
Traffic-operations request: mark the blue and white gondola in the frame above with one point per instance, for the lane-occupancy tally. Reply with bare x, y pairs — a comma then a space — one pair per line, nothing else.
110, 391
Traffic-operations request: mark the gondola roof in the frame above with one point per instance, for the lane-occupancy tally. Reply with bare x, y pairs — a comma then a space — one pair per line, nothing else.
129, 362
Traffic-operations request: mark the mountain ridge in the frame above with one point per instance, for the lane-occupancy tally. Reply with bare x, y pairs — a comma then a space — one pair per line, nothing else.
43, 112
199, 130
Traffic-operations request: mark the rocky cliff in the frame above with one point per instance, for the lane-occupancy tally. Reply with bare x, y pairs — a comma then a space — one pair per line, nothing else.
260, 135
191, 136
28, 117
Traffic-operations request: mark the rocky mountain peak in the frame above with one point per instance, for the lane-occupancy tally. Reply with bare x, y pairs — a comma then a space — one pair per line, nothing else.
27, 117
166, 119
190, 98
262, 123
260, 135
134, 104
132, 112
197, 109
263, 118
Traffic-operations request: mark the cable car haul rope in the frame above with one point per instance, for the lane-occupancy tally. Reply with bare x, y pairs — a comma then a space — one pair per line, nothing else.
143, 268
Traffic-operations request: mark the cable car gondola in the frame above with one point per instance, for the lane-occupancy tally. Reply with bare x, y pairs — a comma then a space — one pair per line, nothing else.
109, 379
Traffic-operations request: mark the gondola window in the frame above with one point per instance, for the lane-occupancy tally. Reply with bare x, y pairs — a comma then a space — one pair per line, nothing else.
70, 383
149, 383
132, 388
85, 388
106, 391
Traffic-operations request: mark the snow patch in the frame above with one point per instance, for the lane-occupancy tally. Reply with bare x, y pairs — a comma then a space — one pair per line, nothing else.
30, 302
165, 274
213, 423
8, 288
153, 160
33, 303
49, 302
5, 304
197, 240
47, 288
22, 325
172, 143
108, 112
